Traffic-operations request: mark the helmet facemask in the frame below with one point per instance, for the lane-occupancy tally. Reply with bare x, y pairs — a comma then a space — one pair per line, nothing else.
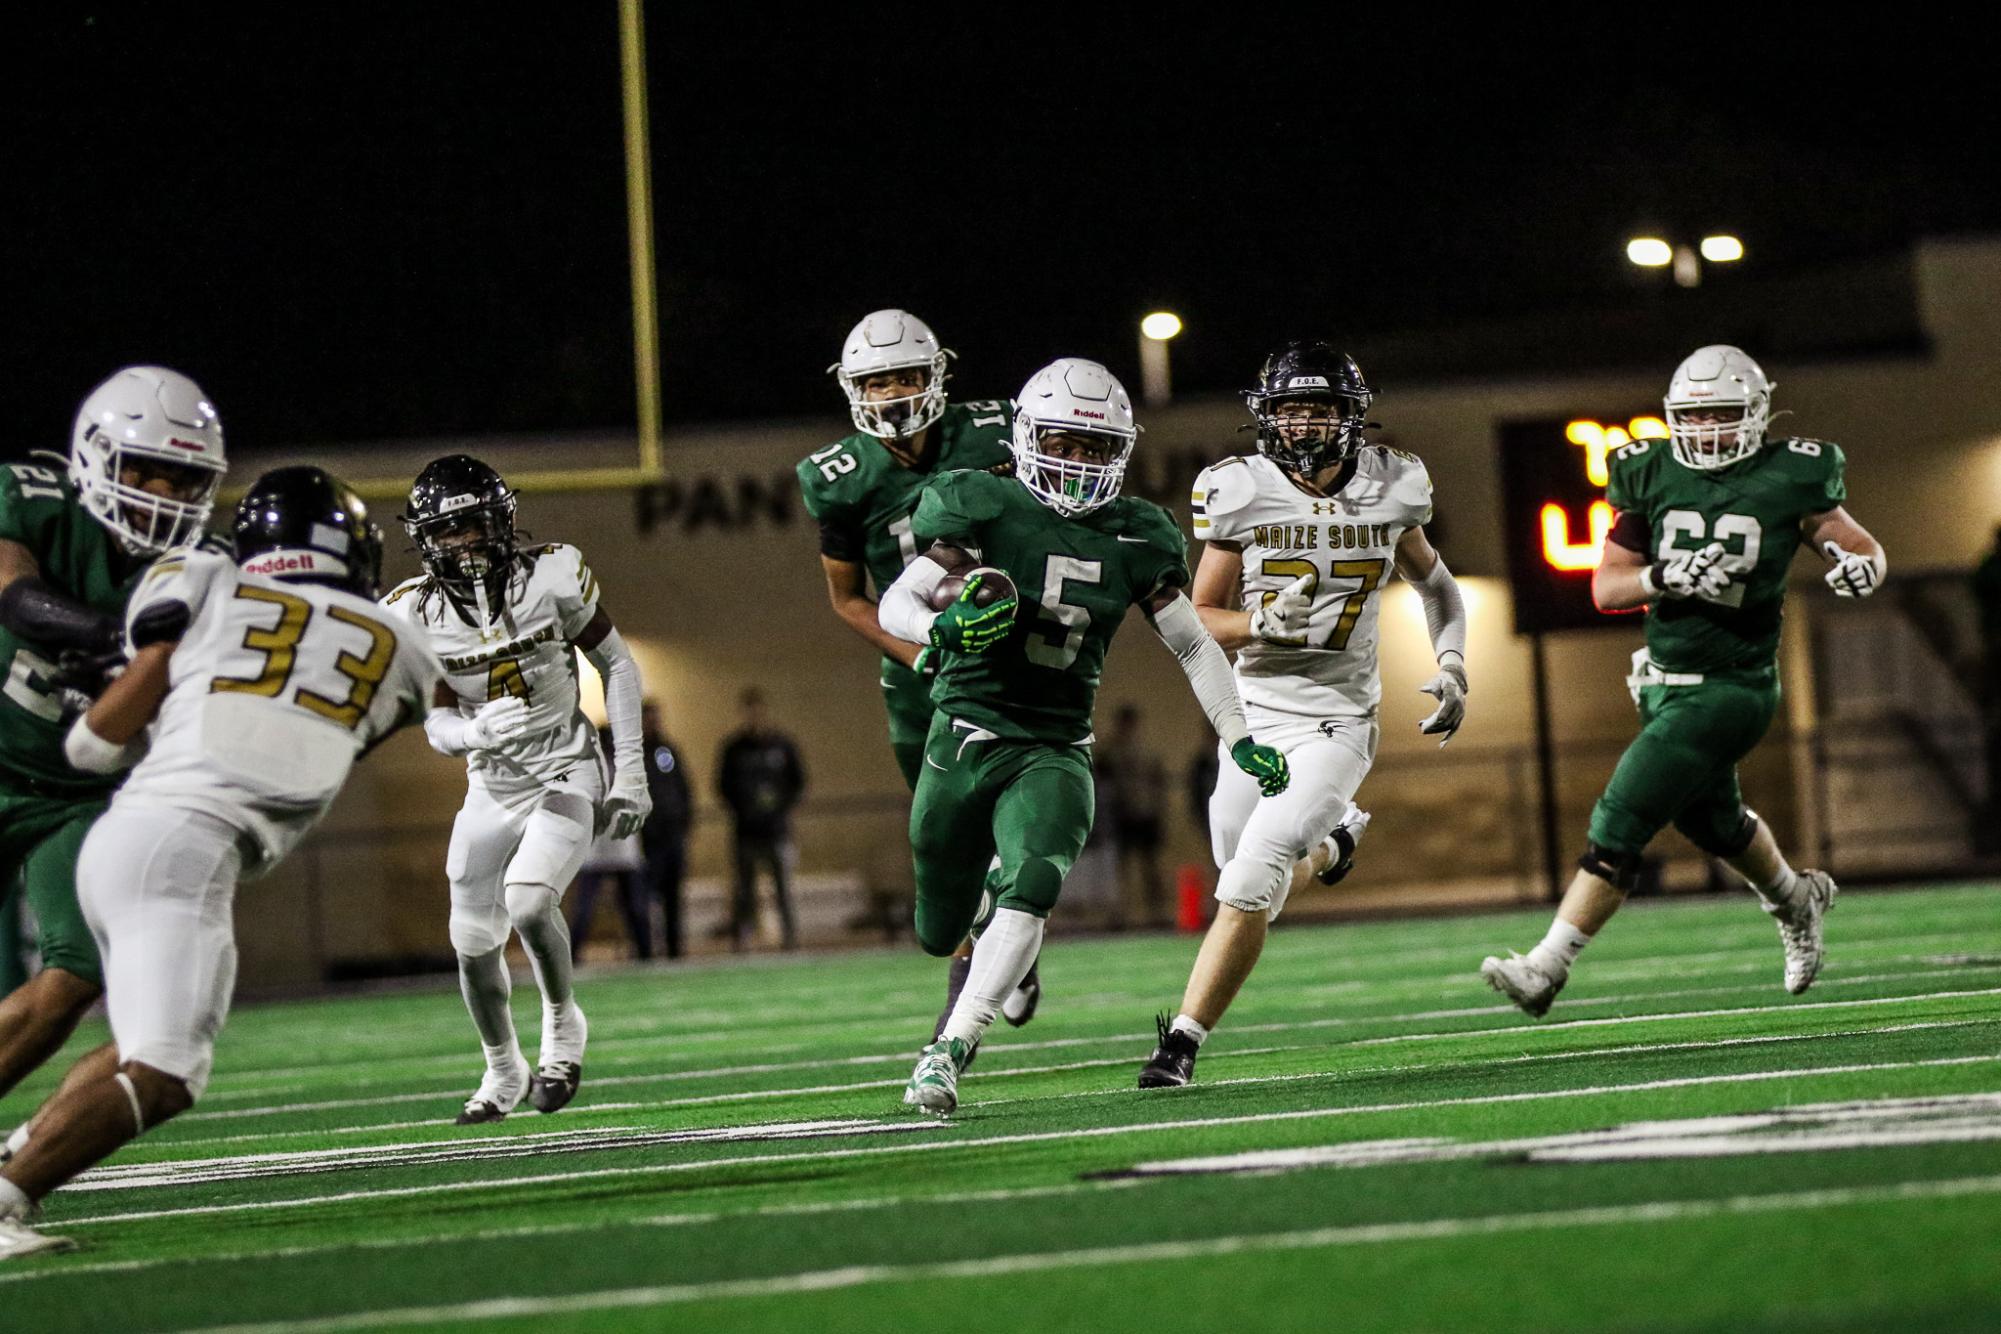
899, 418
152, 498
1708, 435
467, 548
1072, 471
1305, 434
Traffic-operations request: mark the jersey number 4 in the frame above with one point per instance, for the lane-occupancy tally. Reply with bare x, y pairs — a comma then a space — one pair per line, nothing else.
280, 647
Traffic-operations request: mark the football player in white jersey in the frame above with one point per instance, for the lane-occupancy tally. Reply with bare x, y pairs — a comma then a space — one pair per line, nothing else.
255, 683
507, 622
1300, 538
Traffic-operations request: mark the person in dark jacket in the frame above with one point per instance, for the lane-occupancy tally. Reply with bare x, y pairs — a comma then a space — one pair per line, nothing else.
759, 777
664, 836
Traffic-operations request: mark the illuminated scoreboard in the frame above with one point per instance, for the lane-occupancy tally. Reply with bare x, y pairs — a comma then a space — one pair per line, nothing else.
1553, 476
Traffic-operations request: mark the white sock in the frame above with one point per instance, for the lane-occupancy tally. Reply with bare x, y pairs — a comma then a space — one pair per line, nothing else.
1183, 1024
1559, 949
14, 1202
1001, 958
505, 1057
16, 1141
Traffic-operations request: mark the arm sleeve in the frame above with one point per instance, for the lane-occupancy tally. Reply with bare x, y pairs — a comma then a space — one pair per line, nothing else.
622, 694
1630, 531
32, 610
904, 610
1208, 669
1444, 611
841, 540
576, 603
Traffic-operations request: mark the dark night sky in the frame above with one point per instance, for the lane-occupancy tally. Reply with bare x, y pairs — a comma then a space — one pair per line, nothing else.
354, 223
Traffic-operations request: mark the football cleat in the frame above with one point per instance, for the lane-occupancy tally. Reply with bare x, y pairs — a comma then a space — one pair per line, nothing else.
1019, 1007
564, 1034
1345, 837
499, 1093
934, 1084
17, 1239
1799, 928
1528, 986
1173, 1061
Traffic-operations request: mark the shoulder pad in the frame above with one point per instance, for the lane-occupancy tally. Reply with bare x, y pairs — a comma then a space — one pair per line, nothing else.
404, 589
1225, 487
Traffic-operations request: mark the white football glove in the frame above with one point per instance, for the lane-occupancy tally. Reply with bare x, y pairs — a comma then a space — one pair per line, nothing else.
1449, 689
1853, 576
627, 807
497, 723
1691, 574
1285, 616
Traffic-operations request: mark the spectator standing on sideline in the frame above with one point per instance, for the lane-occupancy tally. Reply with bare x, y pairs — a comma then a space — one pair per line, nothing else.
619, 863
1139, 795
1987, 596
664, 836
759, 777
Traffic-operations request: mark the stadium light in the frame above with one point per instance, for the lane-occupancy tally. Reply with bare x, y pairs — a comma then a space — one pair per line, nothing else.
1722, 249
1156, 384
1649, 252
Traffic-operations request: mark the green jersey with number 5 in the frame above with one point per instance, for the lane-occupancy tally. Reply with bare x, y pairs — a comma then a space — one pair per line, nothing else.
1753, 508
863, 497
1077, 578
79, 559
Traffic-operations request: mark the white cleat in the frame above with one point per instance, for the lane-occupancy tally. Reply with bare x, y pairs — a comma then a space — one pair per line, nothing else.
1528, 986
1799, 928
499, 1093
17, 1239
934, 1084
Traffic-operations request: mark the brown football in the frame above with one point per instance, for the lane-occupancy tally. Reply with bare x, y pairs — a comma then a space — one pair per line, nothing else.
995, 586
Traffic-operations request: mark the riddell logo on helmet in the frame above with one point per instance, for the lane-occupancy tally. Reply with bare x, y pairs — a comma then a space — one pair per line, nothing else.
179, 443
1083, 412
286, 562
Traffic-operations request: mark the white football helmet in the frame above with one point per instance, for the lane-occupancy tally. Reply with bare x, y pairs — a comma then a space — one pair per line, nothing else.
1718, 378
892, 340
1072, 396
156, 424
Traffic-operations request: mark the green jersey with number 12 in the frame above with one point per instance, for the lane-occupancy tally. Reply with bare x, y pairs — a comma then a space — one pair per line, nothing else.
79, 559
1754, 508
1077, 578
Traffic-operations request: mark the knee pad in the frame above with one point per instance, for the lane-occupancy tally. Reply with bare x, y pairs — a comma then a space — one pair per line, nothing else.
529, 903
1621, 869
1724, 837
1251, 887
478, 931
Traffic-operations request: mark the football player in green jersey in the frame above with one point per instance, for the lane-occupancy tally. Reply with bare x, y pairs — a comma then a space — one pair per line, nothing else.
863, 489
1007, 763
145, 461
1708, 522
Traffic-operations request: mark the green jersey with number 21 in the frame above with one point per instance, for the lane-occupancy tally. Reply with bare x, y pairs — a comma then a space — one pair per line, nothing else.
1753, 508
79, 559
1077, 579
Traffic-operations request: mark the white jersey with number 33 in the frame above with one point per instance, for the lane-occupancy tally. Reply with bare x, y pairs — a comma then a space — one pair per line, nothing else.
525, 650
1345, 544
273, 690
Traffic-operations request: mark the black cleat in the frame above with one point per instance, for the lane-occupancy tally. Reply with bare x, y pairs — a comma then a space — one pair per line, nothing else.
1173, 1061
551, 1088
1020, 1005
477, 1112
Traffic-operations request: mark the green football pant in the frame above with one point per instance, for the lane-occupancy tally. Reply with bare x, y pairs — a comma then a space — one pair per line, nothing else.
978, 796
40, 837
907, 698
1682, 768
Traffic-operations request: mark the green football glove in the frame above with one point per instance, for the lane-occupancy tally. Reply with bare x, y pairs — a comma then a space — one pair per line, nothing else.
1263, 763
964, 628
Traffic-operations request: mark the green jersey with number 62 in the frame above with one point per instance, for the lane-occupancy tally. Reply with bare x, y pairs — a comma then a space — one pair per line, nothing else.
1077, 578
863, 498
80, 559
1754, 509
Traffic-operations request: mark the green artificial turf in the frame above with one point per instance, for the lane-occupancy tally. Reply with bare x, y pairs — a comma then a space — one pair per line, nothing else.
739, 1158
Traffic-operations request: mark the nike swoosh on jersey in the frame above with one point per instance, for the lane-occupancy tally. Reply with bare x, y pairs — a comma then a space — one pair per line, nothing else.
1123, 538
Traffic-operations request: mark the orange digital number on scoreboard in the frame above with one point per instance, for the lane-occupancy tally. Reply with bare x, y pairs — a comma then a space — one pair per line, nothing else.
1560, 549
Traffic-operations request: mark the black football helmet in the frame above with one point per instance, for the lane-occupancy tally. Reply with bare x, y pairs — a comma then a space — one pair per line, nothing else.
1310, 373
305, 524
461, 517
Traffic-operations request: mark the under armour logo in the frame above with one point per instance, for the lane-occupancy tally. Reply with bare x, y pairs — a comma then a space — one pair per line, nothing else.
1325, 507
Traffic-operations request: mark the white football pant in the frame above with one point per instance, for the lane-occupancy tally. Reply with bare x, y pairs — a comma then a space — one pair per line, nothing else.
1256, 839
156, 886
529, 836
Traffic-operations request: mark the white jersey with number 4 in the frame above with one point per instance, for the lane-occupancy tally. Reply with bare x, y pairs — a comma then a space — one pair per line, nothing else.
1346, 543
274, 689
523, 649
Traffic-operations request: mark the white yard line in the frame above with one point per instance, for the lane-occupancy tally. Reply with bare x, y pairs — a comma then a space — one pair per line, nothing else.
1033, 1137
825, 1280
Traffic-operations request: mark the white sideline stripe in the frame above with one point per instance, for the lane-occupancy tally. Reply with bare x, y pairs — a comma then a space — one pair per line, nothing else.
563, 1229
1340, 1021
1034, 1137
1638, 1048
677, 1032
825, 1280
